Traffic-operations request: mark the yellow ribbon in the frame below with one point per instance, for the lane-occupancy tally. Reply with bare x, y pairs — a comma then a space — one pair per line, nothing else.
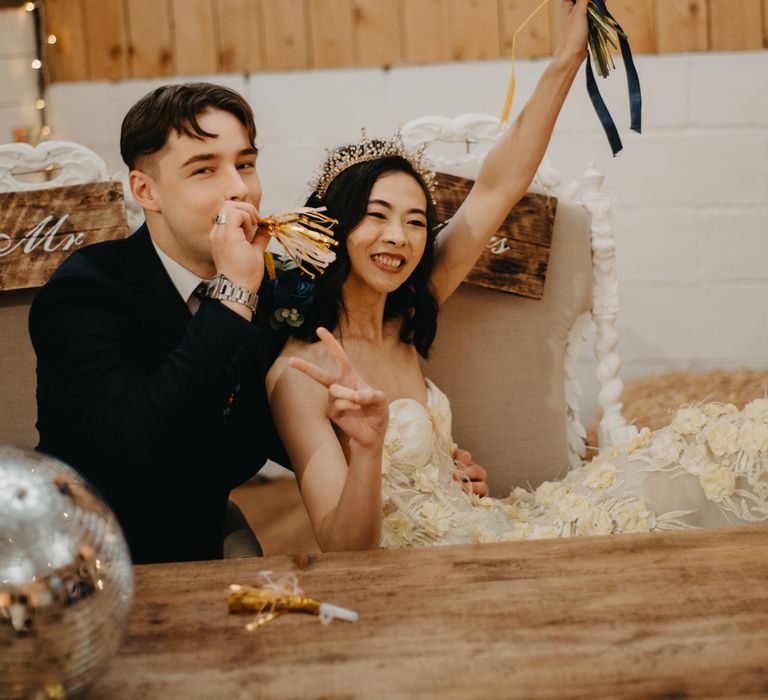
511, 89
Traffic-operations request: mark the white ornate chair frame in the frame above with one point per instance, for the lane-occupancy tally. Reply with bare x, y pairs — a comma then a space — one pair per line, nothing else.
477, 133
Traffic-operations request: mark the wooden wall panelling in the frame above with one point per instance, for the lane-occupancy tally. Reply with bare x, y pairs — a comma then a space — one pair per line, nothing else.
195, 33
474, 29
378, 39
330, 26
241, 35
425, 31
107, 39
635, 16
735, 25
115, 39
765, 23
681, 25
67, 59
286, 43
150, 45
533, 41
636, 19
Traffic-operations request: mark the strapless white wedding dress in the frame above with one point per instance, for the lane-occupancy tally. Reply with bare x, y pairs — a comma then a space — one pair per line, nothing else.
708, 468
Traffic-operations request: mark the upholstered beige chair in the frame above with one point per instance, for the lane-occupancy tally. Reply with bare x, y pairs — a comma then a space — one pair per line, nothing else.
504, 360
17, 369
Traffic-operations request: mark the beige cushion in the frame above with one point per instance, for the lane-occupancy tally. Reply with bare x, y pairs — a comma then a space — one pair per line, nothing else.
18, 409
500, 359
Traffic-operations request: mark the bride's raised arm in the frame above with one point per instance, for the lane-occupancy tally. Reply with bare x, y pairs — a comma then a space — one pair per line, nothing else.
511, 164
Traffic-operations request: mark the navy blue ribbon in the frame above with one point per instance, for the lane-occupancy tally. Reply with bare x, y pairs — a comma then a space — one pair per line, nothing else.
633, 86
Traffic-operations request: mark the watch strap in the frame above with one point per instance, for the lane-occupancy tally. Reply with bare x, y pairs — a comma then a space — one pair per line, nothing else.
223, 289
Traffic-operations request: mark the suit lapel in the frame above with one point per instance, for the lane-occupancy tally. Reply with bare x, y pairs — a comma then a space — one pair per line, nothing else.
164, 313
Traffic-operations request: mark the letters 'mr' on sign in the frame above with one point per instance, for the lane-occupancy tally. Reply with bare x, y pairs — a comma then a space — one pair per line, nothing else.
40, 228
38, 236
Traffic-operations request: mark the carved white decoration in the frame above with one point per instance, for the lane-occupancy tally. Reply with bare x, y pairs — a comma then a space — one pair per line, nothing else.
613, 427
474, 134
478, 133
575, 433
56, 164
69, 164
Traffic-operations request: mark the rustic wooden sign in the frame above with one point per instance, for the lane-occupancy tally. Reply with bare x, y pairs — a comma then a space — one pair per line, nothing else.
40, 228
515, 260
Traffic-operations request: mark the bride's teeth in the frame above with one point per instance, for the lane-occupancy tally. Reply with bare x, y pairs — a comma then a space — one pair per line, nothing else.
389, 262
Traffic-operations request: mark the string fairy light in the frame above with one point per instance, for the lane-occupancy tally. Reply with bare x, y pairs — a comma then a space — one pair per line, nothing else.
35, 8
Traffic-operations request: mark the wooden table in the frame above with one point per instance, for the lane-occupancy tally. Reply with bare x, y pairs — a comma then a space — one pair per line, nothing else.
665, 615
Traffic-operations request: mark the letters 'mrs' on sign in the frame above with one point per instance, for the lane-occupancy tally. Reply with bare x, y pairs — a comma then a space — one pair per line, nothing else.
39, 229
515, 259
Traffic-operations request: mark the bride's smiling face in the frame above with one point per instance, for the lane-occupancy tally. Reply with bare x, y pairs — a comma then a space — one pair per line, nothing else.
387, 244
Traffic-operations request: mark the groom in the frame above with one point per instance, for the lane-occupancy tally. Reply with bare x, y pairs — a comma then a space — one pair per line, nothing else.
150, 368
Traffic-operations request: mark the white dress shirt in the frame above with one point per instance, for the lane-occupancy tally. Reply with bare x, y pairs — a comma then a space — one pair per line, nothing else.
186, 282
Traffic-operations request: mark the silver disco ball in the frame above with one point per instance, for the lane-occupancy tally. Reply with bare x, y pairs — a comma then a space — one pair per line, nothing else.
65, 578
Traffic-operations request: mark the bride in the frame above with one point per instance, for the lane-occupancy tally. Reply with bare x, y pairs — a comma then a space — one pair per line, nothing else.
376, 466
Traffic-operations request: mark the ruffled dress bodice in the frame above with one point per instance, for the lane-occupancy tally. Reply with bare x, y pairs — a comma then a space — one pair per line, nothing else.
685, 475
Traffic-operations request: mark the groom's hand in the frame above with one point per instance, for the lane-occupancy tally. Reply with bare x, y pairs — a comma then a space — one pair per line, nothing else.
471, 472
237, 244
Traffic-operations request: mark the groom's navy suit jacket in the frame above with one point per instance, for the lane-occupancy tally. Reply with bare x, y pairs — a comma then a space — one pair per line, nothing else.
136, 394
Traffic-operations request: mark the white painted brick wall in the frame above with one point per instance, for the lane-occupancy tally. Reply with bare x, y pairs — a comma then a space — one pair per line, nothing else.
690, 196
18, 81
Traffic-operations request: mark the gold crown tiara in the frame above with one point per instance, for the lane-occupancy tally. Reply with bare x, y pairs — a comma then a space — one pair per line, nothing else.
366, 149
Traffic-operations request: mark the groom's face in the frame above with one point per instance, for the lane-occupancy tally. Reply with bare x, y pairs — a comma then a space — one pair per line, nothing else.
193, 177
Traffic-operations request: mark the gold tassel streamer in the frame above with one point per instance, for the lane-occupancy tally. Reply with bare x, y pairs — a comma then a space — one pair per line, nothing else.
306, 236
269, 264
511, 89
602, 30
276, 598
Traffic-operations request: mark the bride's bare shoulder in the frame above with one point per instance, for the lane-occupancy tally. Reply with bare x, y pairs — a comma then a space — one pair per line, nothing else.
311, 352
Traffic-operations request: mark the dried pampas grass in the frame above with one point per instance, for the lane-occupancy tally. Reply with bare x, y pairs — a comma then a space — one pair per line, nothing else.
651, 401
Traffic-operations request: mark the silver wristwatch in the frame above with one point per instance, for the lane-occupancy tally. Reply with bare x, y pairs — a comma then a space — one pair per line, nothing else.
222, 288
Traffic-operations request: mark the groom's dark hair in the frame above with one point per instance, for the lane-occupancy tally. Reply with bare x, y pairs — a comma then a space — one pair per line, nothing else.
148, 123
414, 302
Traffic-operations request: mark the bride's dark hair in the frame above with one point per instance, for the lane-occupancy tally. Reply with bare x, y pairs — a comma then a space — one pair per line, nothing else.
414, 303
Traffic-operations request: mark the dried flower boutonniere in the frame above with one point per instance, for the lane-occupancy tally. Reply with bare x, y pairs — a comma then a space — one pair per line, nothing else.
287, 293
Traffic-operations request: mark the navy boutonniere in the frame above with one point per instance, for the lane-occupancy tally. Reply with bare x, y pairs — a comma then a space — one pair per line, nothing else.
288, 293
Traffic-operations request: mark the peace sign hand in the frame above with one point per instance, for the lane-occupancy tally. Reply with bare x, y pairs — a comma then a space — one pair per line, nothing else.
360, 411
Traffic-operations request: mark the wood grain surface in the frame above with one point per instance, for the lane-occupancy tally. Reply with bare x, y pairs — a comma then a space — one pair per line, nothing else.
682, 614
40, 229
515, 260
118, 39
